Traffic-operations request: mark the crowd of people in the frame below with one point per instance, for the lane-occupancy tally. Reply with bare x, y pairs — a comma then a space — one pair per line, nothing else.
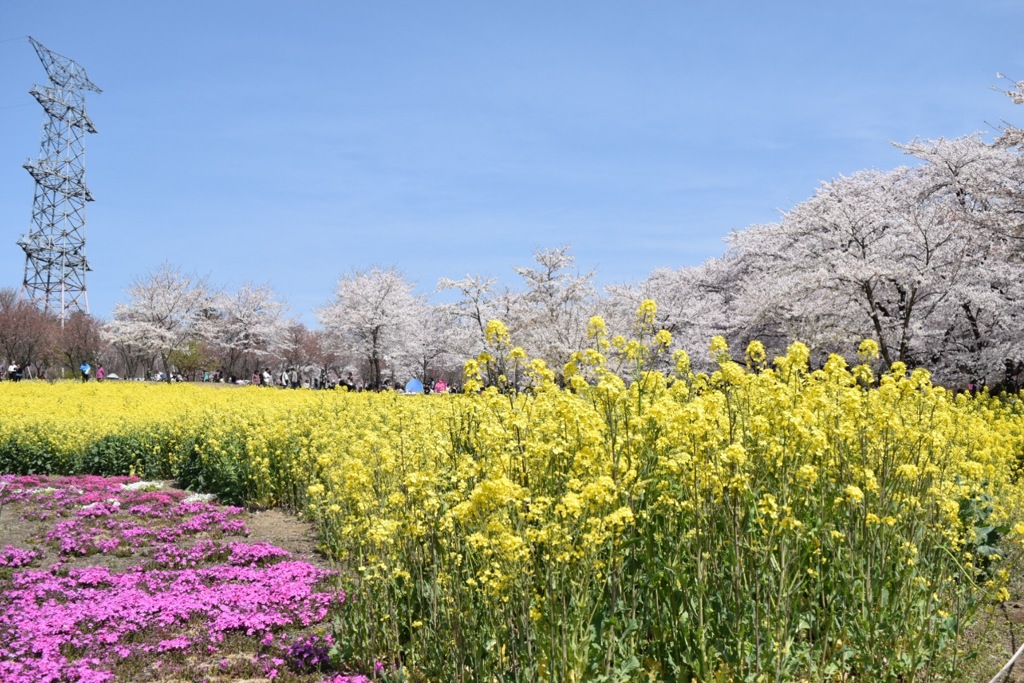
295, 378
292, 378
287, 378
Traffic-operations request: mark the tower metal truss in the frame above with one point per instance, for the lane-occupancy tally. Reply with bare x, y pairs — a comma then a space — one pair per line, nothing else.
55, 263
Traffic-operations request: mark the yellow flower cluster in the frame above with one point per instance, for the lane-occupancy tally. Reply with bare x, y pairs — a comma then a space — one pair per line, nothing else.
667, 520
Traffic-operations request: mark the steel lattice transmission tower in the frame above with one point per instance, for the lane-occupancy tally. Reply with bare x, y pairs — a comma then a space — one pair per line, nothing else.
55, 263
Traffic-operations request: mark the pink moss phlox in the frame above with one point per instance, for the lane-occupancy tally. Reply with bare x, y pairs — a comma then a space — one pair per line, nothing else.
93, 610
255, 554
103, 508
68, 623
179, 643
16, 557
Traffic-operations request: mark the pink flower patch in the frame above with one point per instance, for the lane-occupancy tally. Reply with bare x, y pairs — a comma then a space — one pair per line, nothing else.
79, 623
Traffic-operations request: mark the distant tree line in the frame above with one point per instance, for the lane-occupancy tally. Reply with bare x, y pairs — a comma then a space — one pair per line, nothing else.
927, 260
38, 344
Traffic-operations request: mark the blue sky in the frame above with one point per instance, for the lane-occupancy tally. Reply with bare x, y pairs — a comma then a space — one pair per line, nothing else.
291, 142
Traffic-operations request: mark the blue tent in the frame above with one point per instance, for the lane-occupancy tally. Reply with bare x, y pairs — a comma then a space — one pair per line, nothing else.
414, 386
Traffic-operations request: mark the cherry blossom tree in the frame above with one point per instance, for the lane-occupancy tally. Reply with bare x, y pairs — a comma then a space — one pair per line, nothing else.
247, 328
469, 314
865, 257
166, 311
480, 300
978, 333
549, 319
129, 354
892, 256
695, 304
983, 182
376, 317
439, 346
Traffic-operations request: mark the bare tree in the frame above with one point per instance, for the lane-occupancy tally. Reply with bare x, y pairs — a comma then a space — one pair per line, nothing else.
302, 350
79, 340
26, 332
131, 356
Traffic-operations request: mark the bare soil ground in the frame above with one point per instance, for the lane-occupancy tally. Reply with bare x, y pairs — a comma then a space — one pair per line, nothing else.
998, 633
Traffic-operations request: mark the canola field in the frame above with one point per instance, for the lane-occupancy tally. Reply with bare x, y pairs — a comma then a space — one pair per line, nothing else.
765, 522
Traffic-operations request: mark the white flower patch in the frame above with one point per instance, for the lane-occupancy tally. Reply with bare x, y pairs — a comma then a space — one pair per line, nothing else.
46, 490
109, 501
142, 486
199, 498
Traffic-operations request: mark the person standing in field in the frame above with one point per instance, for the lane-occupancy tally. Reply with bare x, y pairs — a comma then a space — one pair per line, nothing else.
100, 373
85, 369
